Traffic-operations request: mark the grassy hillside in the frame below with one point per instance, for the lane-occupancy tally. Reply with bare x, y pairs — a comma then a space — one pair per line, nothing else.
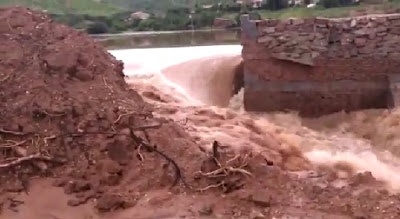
161, 5
89, 7
101, 16
303, 12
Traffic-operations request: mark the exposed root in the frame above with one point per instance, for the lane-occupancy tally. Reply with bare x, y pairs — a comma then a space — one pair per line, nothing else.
41, 144
37, 156
53, 115
137, 128
233, 159
3, 131
91, 62
5, 78
227, 174
178, 173
13, 145
45, 139
140, 156
21, 153
122, 115
141, 144
238, 170
224, 171
221, 184
8, 24
108, 86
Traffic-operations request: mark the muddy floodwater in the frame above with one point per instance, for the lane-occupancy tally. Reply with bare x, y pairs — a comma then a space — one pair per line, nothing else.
192, 78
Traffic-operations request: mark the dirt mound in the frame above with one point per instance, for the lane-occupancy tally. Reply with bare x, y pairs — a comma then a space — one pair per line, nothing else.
66, 112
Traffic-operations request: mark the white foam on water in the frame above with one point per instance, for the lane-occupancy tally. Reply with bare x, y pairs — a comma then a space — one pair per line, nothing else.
155, 59
147, 65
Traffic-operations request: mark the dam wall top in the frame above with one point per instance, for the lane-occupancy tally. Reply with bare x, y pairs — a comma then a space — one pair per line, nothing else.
306, 40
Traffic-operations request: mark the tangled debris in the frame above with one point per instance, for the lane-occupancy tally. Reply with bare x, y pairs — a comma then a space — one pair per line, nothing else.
224, 172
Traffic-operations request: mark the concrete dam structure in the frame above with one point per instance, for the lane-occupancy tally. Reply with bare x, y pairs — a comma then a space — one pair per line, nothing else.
319, 66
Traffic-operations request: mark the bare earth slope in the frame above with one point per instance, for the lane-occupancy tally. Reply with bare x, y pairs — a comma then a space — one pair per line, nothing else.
64, 99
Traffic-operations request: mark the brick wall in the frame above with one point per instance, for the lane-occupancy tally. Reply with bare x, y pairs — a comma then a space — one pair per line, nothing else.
318, 65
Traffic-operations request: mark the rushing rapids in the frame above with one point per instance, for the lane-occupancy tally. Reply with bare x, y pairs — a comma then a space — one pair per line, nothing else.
196, 87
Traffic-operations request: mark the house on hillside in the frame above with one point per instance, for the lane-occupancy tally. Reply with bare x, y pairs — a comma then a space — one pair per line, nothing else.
302, 2
253, 3
207, 6
140, 15
257, 3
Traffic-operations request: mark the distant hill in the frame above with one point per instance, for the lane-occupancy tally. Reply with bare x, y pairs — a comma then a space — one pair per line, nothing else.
90, 7
107, 7
147, 5
162, 5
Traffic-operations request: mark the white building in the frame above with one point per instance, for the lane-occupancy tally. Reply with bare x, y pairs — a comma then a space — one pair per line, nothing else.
254, 3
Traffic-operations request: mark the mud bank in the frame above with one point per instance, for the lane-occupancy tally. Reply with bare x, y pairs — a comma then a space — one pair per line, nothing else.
67, 113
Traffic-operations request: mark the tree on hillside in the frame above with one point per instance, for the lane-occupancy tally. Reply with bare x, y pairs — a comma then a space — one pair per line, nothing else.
276, 4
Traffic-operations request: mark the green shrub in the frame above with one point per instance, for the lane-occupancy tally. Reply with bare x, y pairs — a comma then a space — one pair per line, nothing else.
204, 19
276, 4
254, 15
330, 3
97, 28
150, 24
335, 3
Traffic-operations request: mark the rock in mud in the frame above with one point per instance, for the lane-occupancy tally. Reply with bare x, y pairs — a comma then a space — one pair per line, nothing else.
74, 186
255, 214
261, 198
110, 179
362, 179
74, 202
110, 202
206, 210
160, 199
360, 215
15, 186
118, 151
60, 182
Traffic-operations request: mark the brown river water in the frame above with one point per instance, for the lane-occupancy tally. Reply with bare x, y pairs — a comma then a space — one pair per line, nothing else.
193, 86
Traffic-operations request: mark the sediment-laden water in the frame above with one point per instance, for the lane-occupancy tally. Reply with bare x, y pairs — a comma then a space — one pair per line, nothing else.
193, 86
